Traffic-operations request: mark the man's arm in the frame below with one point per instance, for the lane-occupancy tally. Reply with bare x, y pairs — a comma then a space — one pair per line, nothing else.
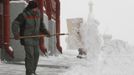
16, 26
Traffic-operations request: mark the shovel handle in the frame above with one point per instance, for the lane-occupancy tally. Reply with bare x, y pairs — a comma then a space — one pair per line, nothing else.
35, 36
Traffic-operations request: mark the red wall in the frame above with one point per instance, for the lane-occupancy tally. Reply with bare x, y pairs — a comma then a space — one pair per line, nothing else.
1, 22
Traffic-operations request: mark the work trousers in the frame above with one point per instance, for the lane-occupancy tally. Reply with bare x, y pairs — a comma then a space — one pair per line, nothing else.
31, 59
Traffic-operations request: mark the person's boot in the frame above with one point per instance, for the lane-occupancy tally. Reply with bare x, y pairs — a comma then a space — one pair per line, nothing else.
30, 73
82, 53
35, 73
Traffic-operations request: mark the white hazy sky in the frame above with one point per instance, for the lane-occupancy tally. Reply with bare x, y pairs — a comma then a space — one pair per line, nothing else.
116, 17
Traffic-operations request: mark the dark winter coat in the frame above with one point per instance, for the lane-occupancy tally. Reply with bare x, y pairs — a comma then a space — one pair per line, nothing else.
29, 23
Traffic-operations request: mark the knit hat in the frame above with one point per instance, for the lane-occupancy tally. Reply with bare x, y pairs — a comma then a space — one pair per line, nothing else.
32, 4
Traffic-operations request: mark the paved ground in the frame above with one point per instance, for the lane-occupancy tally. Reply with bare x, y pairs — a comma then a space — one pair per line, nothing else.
52, 65
45, 67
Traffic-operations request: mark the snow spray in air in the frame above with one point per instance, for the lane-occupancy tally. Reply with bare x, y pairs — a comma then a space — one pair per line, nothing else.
90, 35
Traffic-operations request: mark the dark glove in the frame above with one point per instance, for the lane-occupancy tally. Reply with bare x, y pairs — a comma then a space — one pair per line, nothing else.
48, 34
16, 36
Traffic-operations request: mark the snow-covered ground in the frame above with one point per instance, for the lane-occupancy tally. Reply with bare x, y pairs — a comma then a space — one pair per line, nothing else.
116, 58
105, 56
50, 65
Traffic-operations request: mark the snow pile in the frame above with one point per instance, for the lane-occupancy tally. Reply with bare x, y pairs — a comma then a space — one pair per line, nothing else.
116, 58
